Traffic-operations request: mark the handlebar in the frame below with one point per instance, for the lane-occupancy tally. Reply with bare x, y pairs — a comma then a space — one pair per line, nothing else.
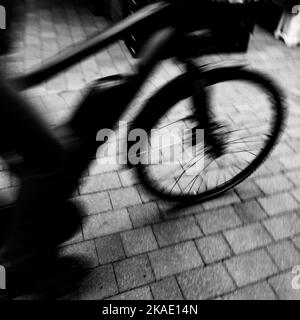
77, 53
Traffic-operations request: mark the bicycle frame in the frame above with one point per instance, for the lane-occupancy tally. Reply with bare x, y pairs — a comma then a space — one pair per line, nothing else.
119, 90
82, 50
165, 13
167, 42
116, 90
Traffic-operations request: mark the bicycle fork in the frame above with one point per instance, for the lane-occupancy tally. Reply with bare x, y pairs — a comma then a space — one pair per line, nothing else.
213, 140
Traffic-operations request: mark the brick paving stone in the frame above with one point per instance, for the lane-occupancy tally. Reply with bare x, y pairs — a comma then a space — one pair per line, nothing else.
85, 250
32, 52
281, 150
275, 166
294, 143
136, 294
36, 92
260, 291
145, 195
218, 220
144, 214
90, 69
166, 289
126, 197
167, 208
103, 182
296, 194
251, 267
284, 254
138, 241
171, 260
57, 117
205, 283
213, 248
282, 284
37, 104
106, 223
95, 203
274, 184
294, 176
247, 238
226, 199
97, 167
71, 98
175, 231
99, 284
296, 241
128, 177
279, 203
262, 171
293, 132
250, 212
133, 272
248, 190
291, 162
170, 210
54, 102
74, 81
110, 249
284, 226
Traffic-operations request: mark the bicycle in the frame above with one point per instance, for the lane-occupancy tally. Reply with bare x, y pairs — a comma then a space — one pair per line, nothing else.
228, 154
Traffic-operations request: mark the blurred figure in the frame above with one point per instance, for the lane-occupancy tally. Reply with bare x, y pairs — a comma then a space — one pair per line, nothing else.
41, 218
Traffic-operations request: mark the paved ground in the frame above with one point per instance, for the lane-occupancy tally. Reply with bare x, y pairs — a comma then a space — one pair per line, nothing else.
242, 245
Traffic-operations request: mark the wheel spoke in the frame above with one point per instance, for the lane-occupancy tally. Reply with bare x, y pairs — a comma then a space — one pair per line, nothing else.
241, 133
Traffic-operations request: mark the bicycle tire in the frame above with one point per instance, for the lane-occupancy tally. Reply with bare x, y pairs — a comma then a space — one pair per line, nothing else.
181, 88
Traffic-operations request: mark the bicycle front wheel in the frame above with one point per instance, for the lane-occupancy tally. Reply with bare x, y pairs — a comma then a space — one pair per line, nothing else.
180, 161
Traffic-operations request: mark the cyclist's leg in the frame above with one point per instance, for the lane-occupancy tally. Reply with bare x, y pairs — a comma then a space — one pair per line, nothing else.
42, 178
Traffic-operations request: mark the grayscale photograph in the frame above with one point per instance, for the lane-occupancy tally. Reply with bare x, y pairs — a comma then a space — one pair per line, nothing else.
149, 152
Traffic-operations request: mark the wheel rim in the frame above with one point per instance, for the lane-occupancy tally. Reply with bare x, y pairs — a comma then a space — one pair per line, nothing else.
249, 144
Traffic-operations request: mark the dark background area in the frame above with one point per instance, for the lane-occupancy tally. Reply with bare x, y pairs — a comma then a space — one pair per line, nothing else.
267, 16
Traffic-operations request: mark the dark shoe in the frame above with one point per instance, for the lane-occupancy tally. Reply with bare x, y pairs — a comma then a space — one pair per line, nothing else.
55, 278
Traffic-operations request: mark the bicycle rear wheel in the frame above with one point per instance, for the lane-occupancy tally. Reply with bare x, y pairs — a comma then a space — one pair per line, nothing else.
179, 161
